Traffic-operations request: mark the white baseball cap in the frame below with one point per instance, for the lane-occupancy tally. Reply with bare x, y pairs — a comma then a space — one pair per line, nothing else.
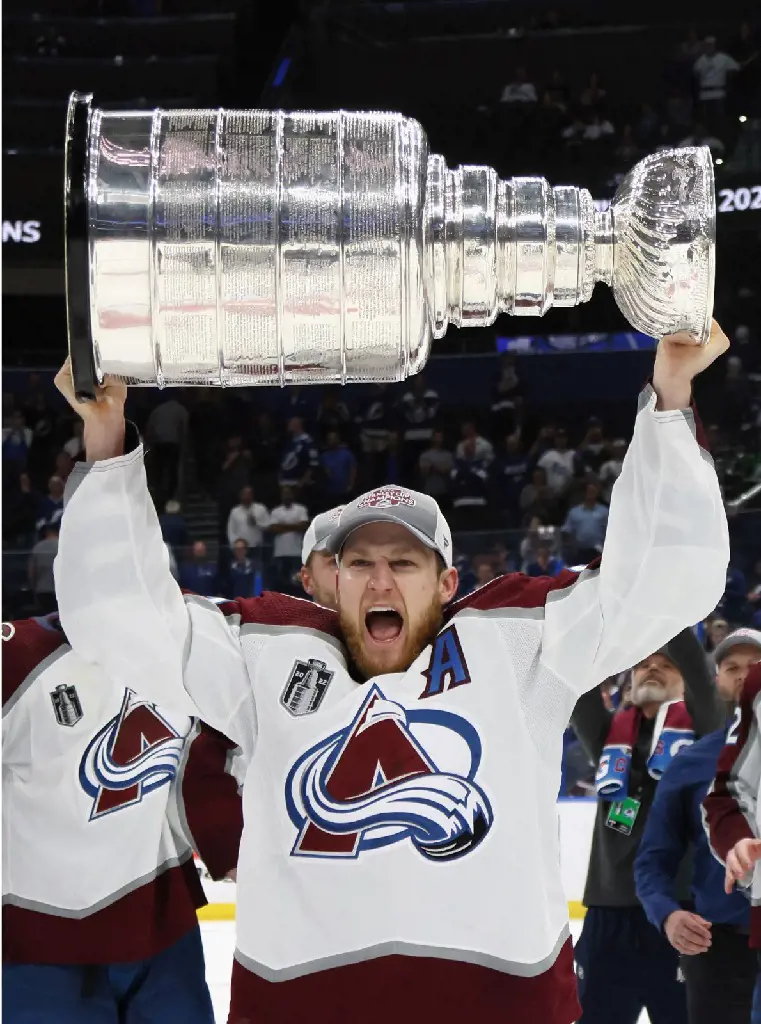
318, 531
740, 637
419, 512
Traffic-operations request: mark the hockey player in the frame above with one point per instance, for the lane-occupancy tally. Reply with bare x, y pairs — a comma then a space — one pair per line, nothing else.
102, 794
731, 811
318, 569
400, 852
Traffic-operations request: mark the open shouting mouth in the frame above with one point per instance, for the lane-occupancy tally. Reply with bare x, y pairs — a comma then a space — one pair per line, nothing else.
384, 624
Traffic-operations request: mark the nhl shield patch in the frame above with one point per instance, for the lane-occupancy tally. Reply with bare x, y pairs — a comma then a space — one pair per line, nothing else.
66, 704
306, 687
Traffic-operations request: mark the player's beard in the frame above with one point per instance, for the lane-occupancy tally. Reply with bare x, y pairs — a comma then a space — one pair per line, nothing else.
418, 636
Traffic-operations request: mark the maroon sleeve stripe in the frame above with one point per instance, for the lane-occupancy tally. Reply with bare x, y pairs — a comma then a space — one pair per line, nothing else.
737, 772
515, 591
27, 646
272, 609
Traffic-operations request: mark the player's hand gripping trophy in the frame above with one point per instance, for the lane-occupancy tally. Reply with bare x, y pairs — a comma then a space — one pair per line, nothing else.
227, 248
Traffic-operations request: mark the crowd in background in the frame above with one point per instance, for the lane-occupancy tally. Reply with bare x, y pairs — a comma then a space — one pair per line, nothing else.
708, 84
520, 494
584, 128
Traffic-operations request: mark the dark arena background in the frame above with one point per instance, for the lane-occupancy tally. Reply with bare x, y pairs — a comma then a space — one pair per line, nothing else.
510, 426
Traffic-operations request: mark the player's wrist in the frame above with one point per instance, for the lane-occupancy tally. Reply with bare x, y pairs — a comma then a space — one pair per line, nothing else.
104, 440
672, 393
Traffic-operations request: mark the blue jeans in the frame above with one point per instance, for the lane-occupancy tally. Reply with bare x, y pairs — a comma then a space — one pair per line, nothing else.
169, 987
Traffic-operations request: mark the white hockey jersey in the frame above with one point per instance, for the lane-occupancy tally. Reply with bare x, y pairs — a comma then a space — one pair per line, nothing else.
400, 849
101, 793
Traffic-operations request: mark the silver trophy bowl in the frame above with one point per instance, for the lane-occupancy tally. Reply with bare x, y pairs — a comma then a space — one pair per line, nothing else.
223, 247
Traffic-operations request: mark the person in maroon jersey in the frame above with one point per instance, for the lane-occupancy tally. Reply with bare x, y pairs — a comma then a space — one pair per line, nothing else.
95, 778
730, 810
389, 867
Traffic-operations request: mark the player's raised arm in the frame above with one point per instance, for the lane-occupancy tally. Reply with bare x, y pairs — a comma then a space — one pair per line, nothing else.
667, 546
119, 604
666, 549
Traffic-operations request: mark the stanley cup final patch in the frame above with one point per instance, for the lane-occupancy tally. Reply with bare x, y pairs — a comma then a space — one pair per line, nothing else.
66, 704
306, 687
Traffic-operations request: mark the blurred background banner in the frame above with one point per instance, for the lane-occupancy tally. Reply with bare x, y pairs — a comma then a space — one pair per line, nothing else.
541, 344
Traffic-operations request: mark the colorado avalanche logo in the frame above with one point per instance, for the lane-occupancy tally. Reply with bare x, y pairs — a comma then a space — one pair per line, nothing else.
133, 754
386, 497
377, 782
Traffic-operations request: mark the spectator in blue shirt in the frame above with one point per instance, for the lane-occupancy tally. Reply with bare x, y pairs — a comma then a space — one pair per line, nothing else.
50, 506
587, 524
300, 461
332, 414
545, 563
293, 403
375, 423
199, 574
242, 572
418, 412
507, 398
467, 577
712, 935
734, 603
509, 475
17, 440
339, 468
173, 528
470, 491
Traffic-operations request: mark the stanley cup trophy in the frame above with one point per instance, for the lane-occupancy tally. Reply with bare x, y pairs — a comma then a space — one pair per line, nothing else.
223, 247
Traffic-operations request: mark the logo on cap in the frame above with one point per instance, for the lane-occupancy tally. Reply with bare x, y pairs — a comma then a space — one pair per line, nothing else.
752, 635
386, 497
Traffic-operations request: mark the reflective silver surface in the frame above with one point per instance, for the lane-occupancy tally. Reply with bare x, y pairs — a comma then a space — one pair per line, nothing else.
263, 247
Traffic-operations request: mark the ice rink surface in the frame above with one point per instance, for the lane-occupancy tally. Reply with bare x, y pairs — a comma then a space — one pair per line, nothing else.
219, 945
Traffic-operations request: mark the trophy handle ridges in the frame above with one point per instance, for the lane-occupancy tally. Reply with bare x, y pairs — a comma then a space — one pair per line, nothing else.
662, 260
76, 246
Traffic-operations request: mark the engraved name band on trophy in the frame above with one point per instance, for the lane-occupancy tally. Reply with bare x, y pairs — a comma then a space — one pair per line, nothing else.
224, 247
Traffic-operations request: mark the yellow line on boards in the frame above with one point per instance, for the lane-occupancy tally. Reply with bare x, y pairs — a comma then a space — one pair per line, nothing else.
226, 911
217, 912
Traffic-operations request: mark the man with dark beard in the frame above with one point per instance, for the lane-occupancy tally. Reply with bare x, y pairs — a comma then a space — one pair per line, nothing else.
623, 963
389, 866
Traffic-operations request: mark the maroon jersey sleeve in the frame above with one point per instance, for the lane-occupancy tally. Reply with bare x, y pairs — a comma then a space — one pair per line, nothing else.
273, 609
28, 648
211, 802
514, 591
729, 809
